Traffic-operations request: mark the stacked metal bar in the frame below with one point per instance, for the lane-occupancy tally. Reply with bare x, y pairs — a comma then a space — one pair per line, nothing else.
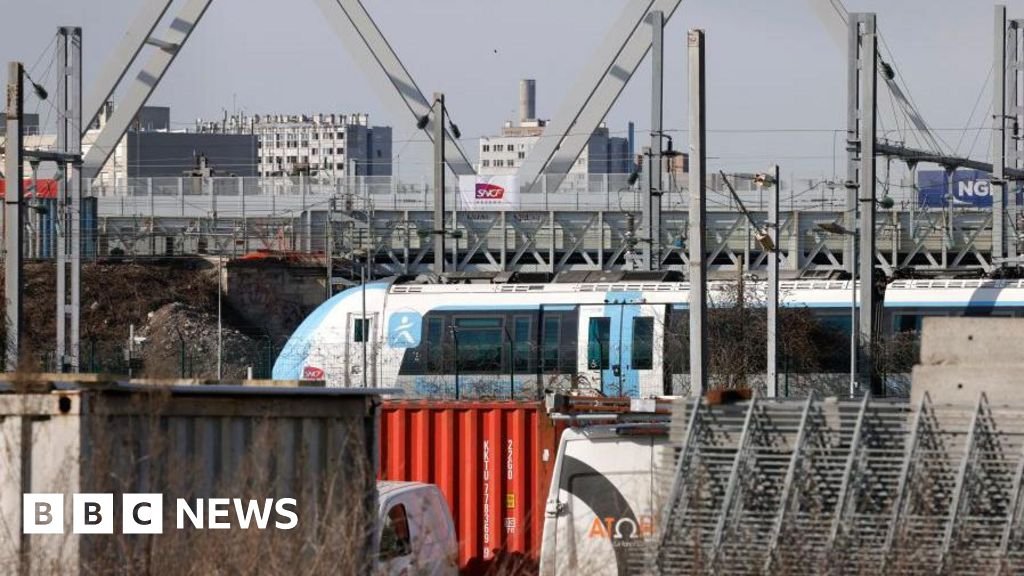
837, 487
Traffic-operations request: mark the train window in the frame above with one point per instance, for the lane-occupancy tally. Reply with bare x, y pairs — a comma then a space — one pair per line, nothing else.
549, 350
478, 344
597, 344
434, 345
643, 343
907, 323
522, 340
359, 329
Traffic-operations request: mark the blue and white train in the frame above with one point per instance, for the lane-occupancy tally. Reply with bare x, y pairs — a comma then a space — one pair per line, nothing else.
501, 339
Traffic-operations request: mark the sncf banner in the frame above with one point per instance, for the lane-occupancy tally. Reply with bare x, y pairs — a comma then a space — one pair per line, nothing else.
970, 188
488, 192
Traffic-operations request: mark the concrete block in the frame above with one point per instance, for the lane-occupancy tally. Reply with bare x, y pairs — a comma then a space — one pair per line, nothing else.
960, 385
982, 341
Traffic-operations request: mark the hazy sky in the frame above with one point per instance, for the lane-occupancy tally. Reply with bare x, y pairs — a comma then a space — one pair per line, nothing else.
771, 66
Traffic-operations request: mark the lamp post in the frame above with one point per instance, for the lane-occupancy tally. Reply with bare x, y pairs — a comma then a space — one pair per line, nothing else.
440, 113
455, 362
511, 363
835, 228
364, 321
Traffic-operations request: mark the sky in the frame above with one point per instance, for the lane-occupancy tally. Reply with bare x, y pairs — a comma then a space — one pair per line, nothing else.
775, 76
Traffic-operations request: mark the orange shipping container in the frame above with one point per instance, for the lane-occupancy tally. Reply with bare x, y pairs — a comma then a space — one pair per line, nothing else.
493, 462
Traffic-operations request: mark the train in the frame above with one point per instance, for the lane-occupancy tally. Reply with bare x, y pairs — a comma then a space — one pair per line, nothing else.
621, 337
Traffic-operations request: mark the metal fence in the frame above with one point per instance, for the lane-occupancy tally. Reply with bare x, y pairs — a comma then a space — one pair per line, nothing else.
843, 487
281, 196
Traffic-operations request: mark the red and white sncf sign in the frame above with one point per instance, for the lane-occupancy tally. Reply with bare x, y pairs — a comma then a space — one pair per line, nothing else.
485, 191
488, 192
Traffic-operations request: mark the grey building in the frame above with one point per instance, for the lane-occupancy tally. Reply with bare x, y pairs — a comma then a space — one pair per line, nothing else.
29, 123
152, 119
156, 154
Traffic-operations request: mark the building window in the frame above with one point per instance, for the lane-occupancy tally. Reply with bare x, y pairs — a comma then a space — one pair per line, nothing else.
485, 163
486, 148
522, 155
340, 135
499, 148
511, 163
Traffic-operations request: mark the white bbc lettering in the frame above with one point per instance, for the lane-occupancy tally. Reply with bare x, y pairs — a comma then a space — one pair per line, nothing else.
42, 513
142, 514
196, 517
92, 513
281, 510
253, 510
218, 509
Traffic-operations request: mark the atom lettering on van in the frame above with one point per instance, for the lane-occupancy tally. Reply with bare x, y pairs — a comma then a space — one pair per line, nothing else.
622, 530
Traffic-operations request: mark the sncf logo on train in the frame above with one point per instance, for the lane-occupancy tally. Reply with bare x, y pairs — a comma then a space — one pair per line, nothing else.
312, 373
485, 191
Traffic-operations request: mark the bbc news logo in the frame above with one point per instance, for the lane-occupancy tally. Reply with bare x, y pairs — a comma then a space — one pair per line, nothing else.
144, 514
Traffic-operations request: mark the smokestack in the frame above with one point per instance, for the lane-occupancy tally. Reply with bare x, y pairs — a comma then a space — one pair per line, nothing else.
527, 100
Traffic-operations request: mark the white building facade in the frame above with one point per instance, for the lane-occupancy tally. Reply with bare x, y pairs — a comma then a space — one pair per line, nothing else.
331, 145
504, 154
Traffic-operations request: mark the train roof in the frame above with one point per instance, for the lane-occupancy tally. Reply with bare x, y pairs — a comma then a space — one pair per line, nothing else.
785, 285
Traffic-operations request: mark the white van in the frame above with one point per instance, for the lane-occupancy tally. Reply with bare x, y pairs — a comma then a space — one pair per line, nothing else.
602, 505
417, 534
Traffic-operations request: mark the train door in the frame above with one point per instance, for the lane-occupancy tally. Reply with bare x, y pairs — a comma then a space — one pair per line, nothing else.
360, 352
617, 347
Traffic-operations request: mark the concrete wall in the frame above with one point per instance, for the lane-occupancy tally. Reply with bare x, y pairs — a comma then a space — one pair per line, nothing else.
963, 357
274, 296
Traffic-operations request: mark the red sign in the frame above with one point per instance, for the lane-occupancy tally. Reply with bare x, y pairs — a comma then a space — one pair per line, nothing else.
312, 373
45, 188
486, 191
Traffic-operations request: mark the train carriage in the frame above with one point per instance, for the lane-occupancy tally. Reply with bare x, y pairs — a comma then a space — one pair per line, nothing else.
615, 338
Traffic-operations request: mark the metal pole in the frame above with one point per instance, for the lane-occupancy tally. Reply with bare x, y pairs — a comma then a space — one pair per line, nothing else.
652, 215
999, 137
772, 376
698, 216
366, 324
69, 210
868, 76
455, 360
63, 216
14, 173
220, 325
329, 250
853, 321
439, 168
1012, 141
852, 140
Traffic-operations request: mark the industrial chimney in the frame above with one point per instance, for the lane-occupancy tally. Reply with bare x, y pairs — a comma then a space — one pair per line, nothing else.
527, 100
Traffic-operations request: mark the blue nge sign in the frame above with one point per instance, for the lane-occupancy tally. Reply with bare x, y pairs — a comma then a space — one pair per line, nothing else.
970, 188
404, 329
